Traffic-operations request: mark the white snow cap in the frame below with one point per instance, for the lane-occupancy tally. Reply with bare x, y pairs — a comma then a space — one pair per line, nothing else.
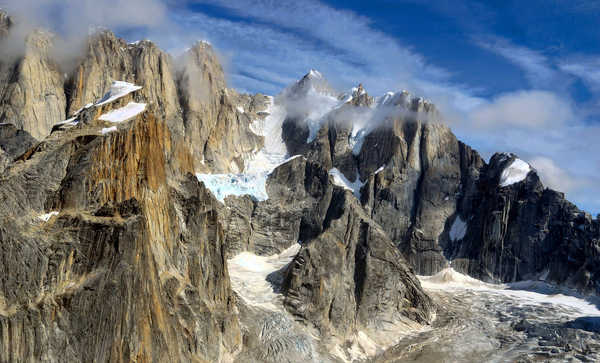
516, 172
315, 74
117, 90
203, 42
106, 130
46, 217
124, 113
68, 122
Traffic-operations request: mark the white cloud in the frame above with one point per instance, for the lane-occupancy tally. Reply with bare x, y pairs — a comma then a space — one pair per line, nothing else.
74, 17
553, 176
526, 109
537, 67
290, 37
587, 69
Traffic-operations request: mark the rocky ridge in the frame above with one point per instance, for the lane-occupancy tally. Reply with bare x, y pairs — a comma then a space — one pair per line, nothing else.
113, 250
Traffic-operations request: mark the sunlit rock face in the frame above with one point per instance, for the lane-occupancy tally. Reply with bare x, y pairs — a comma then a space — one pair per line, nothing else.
150, 213
32, 96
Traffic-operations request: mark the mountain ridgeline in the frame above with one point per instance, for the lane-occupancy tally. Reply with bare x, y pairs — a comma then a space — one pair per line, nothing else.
111, 249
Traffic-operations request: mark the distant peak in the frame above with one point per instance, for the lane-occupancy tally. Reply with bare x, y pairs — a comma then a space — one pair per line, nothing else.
313, 73
360, 96
358, 91
202, 43
313, 80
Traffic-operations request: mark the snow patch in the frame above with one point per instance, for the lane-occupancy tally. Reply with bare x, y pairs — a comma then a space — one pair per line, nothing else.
516, 172
340, 180
46, 217
357, 138
248, 273
124, 113
379, 170
320, 106
117, 90
68, 122
84, 108
533, 293
223, 185
257, 166
448, 277
240, 109
458, 229
274, 150
106, 130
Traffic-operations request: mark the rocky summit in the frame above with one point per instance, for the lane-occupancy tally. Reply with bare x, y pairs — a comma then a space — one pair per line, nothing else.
149, 213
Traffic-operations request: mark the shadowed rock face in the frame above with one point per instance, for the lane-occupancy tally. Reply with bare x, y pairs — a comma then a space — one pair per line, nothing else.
419, 179
299, 196
13, 141
351, 275
525, 231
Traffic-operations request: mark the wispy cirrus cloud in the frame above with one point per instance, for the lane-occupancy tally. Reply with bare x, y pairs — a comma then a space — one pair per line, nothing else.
538, 68
585, 68
290, 37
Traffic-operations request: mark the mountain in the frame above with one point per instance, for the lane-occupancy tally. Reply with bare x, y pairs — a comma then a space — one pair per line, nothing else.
150, 213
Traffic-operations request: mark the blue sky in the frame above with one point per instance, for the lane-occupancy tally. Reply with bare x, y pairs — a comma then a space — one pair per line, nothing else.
519, 76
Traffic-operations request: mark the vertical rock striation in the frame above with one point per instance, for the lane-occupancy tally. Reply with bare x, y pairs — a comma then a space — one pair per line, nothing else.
32, 94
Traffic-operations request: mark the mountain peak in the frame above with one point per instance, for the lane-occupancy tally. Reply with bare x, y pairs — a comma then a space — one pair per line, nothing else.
314, 74
313, 80
360, 97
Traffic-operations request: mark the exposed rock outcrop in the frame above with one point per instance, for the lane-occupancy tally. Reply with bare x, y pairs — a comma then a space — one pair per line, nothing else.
417, 163
131, 264
189, 93
352, 277
299, 196
420, 184
5, 23
32, 95
15, 142
216, 119
108, 58
525, 231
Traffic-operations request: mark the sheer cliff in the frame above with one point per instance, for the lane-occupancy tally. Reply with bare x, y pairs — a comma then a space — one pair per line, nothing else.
150, 213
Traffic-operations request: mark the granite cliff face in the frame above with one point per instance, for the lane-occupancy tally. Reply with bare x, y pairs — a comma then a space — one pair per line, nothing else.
32, 95
112, 250
150, 213
418, 182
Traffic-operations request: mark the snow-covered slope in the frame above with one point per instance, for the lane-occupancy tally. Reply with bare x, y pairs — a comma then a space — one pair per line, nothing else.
117, 90
131, 110
257, 166
340, 180
514, 173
